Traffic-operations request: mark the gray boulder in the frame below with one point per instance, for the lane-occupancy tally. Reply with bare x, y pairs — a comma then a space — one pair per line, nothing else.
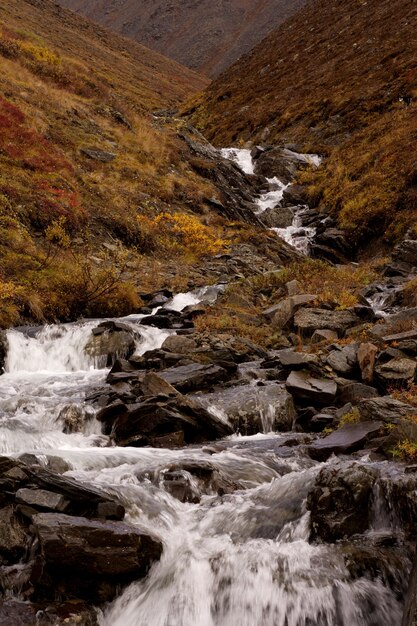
385, 409
305, 388
309, 320
349, 438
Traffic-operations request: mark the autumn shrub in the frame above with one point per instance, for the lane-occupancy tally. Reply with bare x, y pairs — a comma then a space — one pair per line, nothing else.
180, 233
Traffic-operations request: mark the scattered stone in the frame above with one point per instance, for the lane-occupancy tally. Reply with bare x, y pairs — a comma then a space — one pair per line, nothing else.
348, 438
98, 155
353, 392
344, 361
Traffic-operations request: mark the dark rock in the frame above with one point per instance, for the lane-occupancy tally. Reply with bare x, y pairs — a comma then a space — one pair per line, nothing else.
353, 392
90, 552
296, 360
14, 539
72, 416
410, 605
344, 361
3, 351
323, 335
42, 499
398, 372
280, 162
72, 613
348, 438
98, 155
194, 376
320, 421
145, 423
294, 195
339, 502
110, 345
179, 345
304, 388
406, 252
158, 320
307, 321
278, 217
111, 510
385, 409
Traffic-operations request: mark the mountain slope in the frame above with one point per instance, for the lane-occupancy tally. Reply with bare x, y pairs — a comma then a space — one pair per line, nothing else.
341, 78
207, 36
86, 171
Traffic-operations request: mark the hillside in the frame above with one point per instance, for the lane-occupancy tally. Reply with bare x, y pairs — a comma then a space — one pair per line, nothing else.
206, 36
98, 199
339, 78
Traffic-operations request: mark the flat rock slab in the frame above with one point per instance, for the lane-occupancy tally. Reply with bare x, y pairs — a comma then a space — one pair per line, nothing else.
304, 387
105, 549
307, 321
194, 376
349, 438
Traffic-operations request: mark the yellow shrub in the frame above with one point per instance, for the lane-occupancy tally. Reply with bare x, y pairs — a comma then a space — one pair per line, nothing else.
39, 53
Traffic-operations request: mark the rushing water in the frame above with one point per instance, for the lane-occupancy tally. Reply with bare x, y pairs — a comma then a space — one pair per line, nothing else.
296, 235
241, 558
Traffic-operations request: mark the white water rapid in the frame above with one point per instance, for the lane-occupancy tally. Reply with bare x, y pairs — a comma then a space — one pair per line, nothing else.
296, 234
238, 559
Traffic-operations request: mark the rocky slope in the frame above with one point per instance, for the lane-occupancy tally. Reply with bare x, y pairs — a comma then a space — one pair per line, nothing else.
99, 197
206, 36
339, 77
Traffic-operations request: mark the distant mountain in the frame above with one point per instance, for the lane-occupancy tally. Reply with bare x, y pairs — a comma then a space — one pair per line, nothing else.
205, 35
339, 77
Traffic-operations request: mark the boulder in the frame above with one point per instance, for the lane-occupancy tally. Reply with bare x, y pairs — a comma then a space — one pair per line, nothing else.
366, 359
283, 312
252, 409
280, 162
344, 360
339, 502
307, 321
398, 372
353, 392
296, 360
385, 409
194, 376
167, 422
89, 558
14, 538
179, 344
348, 438
305, 389
294, 195
406, 252
325, 334
110, 344
42, 499
278, 217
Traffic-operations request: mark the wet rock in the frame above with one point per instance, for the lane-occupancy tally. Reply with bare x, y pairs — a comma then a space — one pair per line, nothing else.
339, 502
397, 372
280, 162
91, 551
294, 195
366, 358
278, 217
353, 392
110, 345
156, 418
72, 417
73, 613
3, 351
410, 604
325, 334
307, 321
348, 438
385, 409
194, 376
14, 538
344, 361
304, 388
42, 499
252, 409
406, 252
